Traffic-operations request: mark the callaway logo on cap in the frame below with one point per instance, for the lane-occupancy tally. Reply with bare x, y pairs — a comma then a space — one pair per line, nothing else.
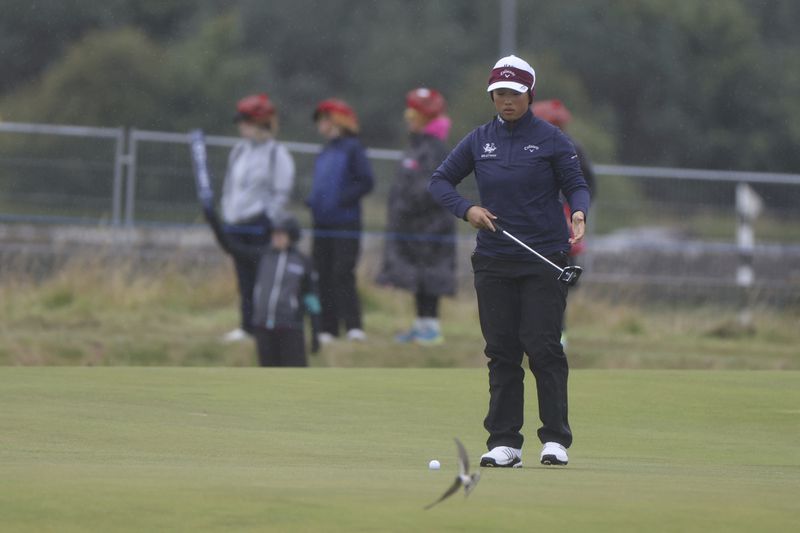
512, 73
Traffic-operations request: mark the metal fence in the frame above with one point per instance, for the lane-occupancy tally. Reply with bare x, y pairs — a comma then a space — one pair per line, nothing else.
656, 228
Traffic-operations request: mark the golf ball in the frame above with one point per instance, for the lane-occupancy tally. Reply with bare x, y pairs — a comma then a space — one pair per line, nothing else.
434, 464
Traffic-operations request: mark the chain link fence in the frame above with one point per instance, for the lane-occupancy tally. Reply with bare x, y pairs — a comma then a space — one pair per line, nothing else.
653, 232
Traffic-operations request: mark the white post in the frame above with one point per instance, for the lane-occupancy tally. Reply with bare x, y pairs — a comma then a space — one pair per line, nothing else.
508, 27
130, 195
748, 207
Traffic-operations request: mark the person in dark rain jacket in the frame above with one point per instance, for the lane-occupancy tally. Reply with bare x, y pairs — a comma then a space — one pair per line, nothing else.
419, 254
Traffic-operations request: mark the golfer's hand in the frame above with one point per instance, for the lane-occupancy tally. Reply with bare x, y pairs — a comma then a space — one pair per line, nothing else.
578, 227
480, 218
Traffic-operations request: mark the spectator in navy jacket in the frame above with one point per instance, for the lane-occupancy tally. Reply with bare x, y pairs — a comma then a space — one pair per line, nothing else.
521, 165
342, 176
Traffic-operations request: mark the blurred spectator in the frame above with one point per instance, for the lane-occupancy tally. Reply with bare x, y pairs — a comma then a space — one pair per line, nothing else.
258, 184
285, 289
557, 114
342, 176
419, 255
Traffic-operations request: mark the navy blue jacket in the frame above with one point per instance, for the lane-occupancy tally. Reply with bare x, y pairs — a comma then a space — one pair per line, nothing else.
520, 168
342, 175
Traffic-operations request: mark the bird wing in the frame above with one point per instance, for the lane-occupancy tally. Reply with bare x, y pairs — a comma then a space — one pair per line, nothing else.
473, 480
463, 459
449, 492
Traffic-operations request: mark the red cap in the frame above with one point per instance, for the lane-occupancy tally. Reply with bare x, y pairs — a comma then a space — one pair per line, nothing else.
552, 111
255, 108
428, 102
340, 113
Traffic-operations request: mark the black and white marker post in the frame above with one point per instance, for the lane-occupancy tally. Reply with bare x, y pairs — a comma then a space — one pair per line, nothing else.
748, 207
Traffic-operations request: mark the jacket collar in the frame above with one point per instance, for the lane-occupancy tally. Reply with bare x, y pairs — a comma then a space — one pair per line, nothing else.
524, 120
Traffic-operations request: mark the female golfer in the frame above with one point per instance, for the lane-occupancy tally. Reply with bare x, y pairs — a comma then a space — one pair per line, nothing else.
521, 164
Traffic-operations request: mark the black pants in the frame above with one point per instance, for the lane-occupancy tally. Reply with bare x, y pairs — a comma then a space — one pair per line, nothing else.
280, 347
427, 305
335, 259
256, 233
521, 307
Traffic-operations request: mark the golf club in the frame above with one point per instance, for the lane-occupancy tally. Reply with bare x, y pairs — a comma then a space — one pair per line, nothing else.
568, 275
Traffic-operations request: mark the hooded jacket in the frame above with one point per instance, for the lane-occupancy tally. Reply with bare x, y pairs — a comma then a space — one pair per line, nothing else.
520, 167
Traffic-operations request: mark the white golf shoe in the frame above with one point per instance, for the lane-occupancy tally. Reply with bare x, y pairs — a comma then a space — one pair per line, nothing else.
554, 454
502, 457
325, 338
356, 334
234, 335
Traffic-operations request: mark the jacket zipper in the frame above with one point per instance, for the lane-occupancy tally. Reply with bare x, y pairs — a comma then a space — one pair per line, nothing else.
274, 295
510, 128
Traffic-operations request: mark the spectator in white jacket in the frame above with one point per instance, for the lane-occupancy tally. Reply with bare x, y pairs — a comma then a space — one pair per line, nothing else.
257, 188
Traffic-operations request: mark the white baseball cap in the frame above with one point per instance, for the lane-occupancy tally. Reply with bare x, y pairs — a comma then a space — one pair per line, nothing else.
512, 73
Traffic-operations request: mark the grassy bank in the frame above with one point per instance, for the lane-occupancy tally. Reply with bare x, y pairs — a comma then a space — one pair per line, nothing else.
88, 314
171, 449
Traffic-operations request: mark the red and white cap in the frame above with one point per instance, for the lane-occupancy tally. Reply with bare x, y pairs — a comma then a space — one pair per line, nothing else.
429, 102
512, 73
339, 112
257, 108
552, 111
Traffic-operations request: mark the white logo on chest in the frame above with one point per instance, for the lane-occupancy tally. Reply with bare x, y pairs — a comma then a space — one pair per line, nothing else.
488, 150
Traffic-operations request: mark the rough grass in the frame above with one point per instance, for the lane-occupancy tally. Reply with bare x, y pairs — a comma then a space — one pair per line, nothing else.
248, 449
88, 313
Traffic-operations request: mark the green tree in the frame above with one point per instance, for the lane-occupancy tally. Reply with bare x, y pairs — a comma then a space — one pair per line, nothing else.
109, 78
34, 35
370, 53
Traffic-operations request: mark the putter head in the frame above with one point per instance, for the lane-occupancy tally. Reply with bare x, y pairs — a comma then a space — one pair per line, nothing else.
570, 275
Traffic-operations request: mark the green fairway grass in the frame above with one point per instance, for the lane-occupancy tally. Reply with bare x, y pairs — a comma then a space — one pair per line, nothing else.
248, 449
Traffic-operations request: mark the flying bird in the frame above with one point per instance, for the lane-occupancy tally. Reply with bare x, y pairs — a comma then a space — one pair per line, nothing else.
463, 479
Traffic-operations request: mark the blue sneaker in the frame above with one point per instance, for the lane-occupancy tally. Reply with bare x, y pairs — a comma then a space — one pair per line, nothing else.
429, 337
407, 336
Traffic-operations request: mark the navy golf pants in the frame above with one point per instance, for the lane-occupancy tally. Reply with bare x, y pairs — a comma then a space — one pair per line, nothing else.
521, 306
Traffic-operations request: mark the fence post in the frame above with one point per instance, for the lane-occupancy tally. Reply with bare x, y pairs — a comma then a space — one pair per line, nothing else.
120, 161
130, 190
748, 207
